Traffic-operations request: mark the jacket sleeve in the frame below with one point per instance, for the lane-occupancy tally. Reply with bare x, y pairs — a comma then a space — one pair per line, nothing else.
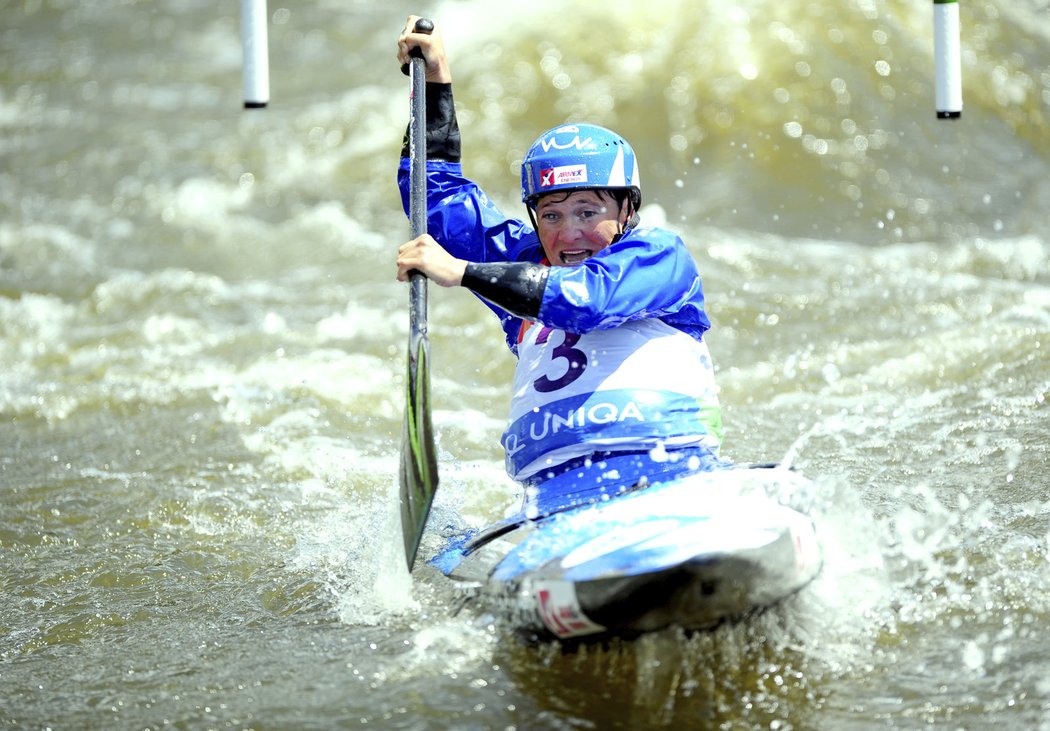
648, 273
460, 216
465, 222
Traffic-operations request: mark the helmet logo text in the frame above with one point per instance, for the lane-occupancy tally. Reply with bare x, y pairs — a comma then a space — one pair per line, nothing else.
563, 175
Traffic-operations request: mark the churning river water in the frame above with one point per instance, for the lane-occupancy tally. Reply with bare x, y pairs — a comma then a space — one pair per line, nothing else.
202, 361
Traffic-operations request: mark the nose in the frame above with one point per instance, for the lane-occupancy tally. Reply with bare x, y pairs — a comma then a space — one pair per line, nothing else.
571, 229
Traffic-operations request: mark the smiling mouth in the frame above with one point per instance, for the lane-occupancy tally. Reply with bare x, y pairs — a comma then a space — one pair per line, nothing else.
574, 256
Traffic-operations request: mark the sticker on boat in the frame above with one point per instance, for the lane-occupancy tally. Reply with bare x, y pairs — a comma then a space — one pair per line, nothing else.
560, 611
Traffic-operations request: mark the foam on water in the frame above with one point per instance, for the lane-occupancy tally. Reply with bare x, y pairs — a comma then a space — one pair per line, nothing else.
202, 352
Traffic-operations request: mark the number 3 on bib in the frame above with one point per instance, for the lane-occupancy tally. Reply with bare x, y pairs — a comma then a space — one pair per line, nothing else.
576, 361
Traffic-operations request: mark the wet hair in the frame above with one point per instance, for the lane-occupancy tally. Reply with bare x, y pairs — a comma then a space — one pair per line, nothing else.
619, 195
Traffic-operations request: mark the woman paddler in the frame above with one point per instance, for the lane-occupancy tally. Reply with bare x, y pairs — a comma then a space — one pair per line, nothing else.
614, 387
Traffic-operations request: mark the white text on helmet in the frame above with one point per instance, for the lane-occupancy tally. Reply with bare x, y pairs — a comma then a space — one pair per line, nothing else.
576, 142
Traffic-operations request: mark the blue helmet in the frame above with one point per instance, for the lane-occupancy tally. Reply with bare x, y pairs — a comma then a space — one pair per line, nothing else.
579, 157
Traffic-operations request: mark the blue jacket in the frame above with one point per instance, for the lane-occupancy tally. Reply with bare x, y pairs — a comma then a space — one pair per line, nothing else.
647, 274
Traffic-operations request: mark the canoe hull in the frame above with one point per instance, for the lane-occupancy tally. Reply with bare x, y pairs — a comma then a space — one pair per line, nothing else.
692, 553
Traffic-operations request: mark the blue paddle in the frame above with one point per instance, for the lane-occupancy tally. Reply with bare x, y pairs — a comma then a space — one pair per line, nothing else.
418, 473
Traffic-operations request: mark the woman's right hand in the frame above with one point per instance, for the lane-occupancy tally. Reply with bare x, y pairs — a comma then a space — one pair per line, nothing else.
433, 47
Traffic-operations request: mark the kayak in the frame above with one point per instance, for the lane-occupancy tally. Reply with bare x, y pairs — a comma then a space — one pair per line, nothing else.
692, 553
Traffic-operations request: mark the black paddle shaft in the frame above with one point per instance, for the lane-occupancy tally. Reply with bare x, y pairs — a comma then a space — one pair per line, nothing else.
417, 210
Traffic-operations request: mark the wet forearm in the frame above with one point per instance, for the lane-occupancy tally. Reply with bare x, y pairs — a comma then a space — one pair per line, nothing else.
443, 140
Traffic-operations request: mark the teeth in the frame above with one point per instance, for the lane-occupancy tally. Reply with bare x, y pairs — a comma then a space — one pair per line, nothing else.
574, 257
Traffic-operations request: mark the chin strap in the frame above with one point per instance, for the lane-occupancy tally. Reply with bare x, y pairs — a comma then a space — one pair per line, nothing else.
632, 221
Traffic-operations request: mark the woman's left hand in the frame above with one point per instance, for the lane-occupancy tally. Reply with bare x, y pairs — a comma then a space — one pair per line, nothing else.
426, 255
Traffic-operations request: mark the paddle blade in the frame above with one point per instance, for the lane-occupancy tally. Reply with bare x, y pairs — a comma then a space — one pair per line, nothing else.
418, 474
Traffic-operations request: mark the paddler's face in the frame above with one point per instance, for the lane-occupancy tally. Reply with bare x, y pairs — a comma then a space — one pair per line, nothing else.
576, 226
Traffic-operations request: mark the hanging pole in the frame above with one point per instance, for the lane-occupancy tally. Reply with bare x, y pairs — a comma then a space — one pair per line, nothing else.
947, 58
256, 57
